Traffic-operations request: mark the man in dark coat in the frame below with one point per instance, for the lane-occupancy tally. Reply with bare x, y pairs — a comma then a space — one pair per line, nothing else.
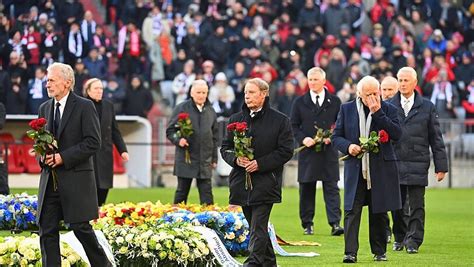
317, 109
421, 131
373, 179
72, 197
4, 189
272, 141
202, 145
110, 135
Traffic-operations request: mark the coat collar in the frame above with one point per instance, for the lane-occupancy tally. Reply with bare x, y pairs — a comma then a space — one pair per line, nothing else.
418, 102
266, 106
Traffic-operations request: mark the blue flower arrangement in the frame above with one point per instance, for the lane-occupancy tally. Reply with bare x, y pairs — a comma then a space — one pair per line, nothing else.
232, 228
18, 211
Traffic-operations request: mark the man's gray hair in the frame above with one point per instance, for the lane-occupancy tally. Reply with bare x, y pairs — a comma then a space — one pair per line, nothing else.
411, 70
66, 72
365, 81
199, 83
317, 69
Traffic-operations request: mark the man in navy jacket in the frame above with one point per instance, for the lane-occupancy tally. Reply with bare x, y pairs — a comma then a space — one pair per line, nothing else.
373, 179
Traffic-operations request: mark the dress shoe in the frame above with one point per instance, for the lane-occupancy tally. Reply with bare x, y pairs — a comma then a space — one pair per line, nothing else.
349, 259
397, 246
309, 230
337, 230
412, 250
382, 257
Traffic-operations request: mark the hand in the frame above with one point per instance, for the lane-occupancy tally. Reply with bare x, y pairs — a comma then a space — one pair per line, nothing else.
53, 160
308, 142
373, 103
243, 162
183, 142
252, 166
354, 150
440, 176
125, 156
214, 165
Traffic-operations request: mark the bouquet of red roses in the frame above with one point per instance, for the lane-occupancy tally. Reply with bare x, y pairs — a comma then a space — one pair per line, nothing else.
185, 131
44, 142
242, 146
371, 143
321, 138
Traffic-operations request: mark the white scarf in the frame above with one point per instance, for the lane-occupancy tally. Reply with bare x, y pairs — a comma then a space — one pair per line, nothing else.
364, 131
84, 28
74, 48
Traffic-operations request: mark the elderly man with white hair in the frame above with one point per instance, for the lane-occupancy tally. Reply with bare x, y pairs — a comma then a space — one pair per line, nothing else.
388, 87
71, 194
421, 130
369, 178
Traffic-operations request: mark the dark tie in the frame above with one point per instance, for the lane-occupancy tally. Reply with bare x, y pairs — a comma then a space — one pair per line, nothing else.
57, 118
317, 103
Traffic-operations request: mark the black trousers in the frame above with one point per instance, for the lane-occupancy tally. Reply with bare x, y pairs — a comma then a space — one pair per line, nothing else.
102, 195
332, 200
377, 223
260, 245
204, 187
49, 233
411, 231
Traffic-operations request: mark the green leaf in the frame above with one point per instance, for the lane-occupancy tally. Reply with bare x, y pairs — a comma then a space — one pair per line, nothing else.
373, 134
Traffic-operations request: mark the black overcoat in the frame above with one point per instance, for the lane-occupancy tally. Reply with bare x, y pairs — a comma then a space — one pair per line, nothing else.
305, 117
110, 135
78, 140
272, 140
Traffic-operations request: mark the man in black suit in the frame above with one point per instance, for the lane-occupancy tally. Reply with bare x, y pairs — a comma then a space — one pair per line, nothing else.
421, 130
74, 122
317, 109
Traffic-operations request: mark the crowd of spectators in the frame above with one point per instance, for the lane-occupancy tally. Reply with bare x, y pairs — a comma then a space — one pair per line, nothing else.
160, 47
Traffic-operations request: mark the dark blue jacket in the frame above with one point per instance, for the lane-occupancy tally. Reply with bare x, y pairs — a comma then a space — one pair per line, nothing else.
385, 192
421, 131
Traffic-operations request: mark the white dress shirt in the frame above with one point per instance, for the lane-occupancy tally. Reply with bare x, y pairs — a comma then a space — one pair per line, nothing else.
320, 99
63, 105
409, 105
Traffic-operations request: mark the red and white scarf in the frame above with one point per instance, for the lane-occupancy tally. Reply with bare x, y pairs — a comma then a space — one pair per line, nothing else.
134, 42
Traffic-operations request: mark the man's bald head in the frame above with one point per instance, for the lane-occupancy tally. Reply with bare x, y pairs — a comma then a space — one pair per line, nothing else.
389, 87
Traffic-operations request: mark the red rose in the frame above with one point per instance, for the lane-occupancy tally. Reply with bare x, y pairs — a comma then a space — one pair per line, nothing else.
383, 136
37, 124
241, 127
231, 127
183, 116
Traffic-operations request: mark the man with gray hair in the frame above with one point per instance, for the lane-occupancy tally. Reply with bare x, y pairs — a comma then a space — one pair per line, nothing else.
202, 145
369, 178
70, 194
421, 130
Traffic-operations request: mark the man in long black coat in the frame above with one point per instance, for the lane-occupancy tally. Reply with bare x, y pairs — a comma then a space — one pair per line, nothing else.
110, 135
272, 141
421, 131
317, 109
372, 180
202, 145
75, 125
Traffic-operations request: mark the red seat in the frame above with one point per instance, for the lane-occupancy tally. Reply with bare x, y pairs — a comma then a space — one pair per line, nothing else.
118, 162
15, 155
31, 163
